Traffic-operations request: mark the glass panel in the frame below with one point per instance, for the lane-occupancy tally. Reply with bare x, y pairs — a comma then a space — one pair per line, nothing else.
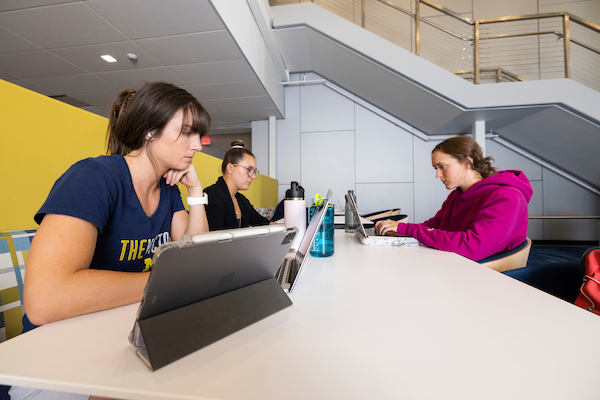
389, 23
343, 8
445, 40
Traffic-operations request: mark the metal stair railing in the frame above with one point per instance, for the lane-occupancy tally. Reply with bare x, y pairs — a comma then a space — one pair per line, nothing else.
526, 47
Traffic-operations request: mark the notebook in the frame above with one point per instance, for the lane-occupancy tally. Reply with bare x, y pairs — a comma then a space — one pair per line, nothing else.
201, 266
370, 238
291, 267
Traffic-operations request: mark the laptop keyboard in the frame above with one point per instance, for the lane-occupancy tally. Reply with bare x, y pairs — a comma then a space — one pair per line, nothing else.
281, 272
371, 232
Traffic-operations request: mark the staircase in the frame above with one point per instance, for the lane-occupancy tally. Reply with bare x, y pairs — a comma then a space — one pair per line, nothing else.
556, 120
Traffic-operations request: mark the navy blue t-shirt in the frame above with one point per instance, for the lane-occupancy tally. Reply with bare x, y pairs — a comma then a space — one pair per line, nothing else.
100, 191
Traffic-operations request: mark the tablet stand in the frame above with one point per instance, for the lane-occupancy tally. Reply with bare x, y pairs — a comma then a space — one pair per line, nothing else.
175, 334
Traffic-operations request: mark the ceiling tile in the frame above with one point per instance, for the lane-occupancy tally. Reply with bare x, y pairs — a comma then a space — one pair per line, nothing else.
102, 111
207, 104
9, 5
139, 19
35, 64
209, 107
218, 117
6, 76
244, 103
130, 79
231, 89
253, 115
74, 84
64, 25
88, 57
215, 72
192, 48
13, 43
98, 99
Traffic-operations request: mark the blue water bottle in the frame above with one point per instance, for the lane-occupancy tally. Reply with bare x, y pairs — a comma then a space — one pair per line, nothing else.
323, 244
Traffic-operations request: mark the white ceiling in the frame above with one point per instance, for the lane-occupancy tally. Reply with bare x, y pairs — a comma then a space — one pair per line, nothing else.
54, 46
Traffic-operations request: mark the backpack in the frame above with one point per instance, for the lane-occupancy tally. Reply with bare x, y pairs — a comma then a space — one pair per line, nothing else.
589, 298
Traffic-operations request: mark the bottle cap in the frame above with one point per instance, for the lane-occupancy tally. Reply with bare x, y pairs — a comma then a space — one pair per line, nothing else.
295, 192
318, 200
352, 193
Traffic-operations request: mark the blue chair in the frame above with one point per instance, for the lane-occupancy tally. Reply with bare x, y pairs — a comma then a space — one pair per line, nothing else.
560, 279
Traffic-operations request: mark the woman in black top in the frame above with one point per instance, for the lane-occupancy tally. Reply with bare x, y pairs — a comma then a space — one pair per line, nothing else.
227, 208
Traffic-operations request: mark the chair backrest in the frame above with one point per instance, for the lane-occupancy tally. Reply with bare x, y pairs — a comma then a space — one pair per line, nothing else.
14, 249
513, 260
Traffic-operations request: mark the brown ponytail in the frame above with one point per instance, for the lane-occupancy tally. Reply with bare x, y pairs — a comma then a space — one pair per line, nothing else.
461, 147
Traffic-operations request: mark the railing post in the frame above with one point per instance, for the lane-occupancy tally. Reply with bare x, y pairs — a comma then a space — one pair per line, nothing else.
567, 39
362, 13
476, 54
418, 27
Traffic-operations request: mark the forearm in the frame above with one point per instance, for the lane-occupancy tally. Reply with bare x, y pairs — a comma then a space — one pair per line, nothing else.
475, 243
81, 292
197, 221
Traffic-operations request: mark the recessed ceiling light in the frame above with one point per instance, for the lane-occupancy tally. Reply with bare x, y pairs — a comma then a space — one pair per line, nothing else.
108, 58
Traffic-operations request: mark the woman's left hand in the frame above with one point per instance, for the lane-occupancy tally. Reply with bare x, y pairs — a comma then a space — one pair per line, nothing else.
188, 177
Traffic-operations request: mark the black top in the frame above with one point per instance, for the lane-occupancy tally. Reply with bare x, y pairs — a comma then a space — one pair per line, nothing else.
221, 213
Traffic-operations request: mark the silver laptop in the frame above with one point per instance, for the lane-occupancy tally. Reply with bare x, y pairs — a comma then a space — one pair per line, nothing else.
292, 264
370, 238
201, 266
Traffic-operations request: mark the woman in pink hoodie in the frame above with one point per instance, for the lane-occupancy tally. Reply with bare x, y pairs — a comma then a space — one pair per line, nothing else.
485, 214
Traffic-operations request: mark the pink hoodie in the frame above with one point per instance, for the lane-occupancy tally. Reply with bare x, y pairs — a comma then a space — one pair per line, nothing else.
490, 217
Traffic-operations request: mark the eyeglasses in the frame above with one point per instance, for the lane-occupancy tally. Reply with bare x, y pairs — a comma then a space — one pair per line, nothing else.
251, 170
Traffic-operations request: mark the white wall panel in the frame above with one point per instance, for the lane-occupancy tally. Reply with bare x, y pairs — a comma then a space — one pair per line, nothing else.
505, 158
373, 197
325, 110
383, 150
430, 193
288, 141
562, 197
536, 208
328, 163
260, 145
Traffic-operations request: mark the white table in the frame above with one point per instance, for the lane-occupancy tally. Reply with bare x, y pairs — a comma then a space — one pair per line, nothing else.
367, 323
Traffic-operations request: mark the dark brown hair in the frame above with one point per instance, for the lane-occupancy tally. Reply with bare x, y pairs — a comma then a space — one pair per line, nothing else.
235, 154
461, 147
135, 113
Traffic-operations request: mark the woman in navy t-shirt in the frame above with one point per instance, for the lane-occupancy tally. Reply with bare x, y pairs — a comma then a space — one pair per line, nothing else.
105, 216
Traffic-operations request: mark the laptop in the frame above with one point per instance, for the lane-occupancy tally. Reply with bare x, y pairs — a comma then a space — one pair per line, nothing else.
370, 238
291, 267
201, 266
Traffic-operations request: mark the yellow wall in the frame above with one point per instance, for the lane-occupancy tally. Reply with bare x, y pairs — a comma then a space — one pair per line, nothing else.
41, 137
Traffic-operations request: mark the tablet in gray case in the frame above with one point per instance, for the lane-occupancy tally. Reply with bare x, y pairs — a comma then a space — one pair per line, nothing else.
197, 267
208, 266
